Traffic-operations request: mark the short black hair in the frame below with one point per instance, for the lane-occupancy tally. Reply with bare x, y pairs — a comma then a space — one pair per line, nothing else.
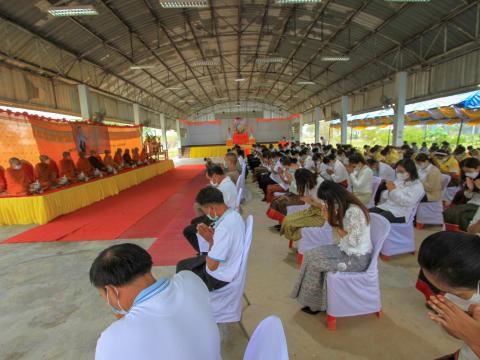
209, 195
214, 169
471, 163
119, 265
356, 158
453, 257
422, 157
409, 165
372, 162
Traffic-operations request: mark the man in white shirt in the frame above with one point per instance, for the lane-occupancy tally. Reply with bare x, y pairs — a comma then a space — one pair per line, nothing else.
218, 179
335, 171
157, 319
381, 169
361, 177
226, 240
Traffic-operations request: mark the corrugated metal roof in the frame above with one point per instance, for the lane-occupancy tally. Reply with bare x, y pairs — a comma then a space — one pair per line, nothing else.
378, 36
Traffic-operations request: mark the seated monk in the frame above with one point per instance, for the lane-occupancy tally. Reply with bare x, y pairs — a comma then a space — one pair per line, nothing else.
52, 165
3, 182
96, 161
84, 165
108, 159
127, 159
118, 159
28, 168
144, 156
136, 156
67, 167
18, 178
45, 176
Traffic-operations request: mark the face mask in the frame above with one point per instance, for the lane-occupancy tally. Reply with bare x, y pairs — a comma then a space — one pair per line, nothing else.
17, 167
358, 167
213, 183
422, 166
114, 309
213, 218
465, 304
472, 175
402, 176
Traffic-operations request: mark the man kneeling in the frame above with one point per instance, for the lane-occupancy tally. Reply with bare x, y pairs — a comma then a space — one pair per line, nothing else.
159, 318
225, 237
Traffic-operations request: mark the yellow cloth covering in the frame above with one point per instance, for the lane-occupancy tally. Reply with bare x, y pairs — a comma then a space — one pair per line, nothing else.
212, 151
40, 209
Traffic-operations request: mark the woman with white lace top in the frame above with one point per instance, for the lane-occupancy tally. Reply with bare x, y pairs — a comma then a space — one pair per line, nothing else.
351, 252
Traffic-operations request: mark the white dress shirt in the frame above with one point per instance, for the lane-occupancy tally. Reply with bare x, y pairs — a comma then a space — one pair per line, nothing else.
340, 173
357, 241
229, 191
402, 200
176, 323
309, 164
227, 248
361, 181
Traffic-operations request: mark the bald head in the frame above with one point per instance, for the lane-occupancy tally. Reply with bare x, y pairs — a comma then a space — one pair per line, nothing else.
15, 162
66, 155
44, 158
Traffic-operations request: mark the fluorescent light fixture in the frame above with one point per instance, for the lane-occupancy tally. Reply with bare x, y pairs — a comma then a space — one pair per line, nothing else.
401, 1
305, 83
297, 1
205, 63
73, 10
142, 67
238, 105
173, 88
221, 99
335, 58
269, 60
181, 4
239, 78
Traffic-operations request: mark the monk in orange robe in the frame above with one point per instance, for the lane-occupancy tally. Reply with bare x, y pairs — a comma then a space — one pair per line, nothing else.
118, 158
3, 182
52, 165
83, 165
67, 167
28, 168
143, 155
108, 159
18, 178
45, 176
136, 156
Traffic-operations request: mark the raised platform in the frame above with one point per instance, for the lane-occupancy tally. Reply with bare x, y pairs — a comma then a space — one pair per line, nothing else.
40, 209
214, 151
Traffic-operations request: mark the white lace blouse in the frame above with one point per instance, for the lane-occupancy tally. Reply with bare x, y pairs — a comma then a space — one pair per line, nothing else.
357, 241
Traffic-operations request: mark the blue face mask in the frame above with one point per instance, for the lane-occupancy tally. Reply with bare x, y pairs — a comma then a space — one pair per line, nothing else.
114, 309
213, 218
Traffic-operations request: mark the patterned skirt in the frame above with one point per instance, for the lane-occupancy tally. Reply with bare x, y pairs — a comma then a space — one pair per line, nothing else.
311, 286
292, 224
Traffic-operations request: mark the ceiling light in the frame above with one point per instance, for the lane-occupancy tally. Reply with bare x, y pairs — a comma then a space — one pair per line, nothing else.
335, 58
239, 78
239, 105
73, 10
270, 60
297, 1
173, 88
407, 0
142, 67
205, 63
221, 99
305, 82
180, 4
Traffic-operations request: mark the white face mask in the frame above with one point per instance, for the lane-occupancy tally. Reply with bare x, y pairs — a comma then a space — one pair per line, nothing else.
422, 166
465, 304
472, 175
17, 167
402, 176
213, 183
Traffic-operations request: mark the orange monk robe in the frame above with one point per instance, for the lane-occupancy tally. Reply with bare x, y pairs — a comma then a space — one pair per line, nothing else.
108, 161
44, 175
3, 182
52, 165
135, 157
83, 165
18, 181
68, 169
28, 168
118, 159
143, 156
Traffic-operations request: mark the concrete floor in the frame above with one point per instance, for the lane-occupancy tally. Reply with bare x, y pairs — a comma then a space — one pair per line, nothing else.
48, 309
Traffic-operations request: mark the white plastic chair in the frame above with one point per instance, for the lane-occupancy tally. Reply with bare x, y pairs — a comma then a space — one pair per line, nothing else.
450, 193
226, 302
401, 239
268, 341
358, 293
313, 237
431, 213
375, 184
239, 199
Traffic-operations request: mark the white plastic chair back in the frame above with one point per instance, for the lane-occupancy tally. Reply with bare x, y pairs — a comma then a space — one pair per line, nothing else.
432, 212
227, 301
375, 184
358, 293
315, 236
239, 199
292, 209
268, 341
401, 239
240, 182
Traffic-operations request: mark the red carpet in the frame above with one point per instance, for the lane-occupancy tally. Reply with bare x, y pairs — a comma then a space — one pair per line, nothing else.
158, 207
